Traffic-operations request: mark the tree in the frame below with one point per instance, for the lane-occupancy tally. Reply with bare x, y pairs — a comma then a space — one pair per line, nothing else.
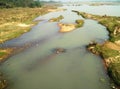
19, 3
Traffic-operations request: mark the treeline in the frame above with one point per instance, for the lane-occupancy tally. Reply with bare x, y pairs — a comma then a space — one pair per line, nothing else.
19, 3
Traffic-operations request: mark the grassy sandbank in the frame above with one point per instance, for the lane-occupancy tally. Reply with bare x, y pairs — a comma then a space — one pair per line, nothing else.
67, 27
110, 50
17, 21
57, 19
70, 27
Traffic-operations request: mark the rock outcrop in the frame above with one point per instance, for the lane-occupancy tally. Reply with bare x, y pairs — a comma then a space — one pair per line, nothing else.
59, 50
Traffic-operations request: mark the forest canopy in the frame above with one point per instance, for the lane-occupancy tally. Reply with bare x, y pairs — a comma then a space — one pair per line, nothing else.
19, 3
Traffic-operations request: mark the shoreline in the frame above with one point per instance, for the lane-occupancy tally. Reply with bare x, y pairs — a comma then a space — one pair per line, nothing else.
19, 28
110, 49
19, 25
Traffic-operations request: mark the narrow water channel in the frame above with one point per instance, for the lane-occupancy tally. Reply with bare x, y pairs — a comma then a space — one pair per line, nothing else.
40, 68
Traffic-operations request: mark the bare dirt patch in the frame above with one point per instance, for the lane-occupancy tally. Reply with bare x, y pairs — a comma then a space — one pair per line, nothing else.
112, 46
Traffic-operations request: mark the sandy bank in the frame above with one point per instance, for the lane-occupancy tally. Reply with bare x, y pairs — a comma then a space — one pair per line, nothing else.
54, 10
66, 27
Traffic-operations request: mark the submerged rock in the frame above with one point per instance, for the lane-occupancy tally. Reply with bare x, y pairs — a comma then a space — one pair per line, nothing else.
3, 82
59, 50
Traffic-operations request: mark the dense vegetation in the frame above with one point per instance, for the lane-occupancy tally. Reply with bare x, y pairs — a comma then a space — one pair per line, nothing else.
19, 3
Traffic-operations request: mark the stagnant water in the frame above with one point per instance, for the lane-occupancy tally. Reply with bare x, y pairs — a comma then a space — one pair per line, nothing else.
40, 68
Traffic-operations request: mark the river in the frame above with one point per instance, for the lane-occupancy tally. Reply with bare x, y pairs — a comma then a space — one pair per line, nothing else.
38, 67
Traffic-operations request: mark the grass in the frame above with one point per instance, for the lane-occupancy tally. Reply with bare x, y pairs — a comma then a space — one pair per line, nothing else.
11, 18
23, 15
16, 21
2, 53
79, 23
112, 24
13, 23
105, 51
57, 19
12, 31
114, 72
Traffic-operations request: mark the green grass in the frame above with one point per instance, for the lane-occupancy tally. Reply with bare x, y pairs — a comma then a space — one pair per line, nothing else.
12, 31
106, 52
20, 14
111, 22
9, 18
57, 19
2, 53
79, 23
114, 72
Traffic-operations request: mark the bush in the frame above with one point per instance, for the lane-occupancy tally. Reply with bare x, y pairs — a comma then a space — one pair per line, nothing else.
19, 3
79, 23
114, 72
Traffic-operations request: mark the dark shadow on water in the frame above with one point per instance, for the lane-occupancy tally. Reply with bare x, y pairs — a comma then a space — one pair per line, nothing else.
39, 62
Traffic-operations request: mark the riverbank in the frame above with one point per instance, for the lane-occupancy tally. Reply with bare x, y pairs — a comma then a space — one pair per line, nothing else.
109, 50
15, 22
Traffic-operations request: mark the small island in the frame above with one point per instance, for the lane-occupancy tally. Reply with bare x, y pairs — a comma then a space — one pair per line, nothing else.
109, 50
79, 23
70, 27
57, 19
66, 27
